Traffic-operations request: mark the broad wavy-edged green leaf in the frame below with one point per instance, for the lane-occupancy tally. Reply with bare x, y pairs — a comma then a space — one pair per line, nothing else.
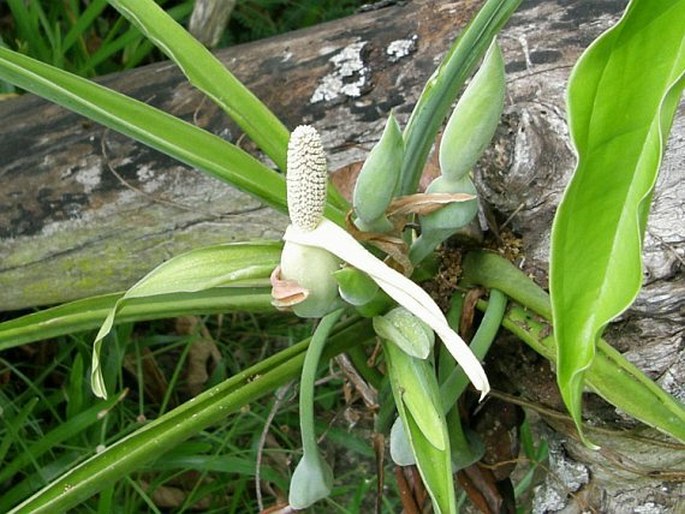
197, 270
622, 97
181, 140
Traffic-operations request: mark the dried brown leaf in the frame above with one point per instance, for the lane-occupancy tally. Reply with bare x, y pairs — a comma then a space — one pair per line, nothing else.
345, 178
425, 203
203, 356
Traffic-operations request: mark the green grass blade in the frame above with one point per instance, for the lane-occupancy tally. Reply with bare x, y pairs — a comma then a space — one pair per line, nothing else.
210, 76
167, 431
113, 42
82, 24
157, 129
27, 23
622, 97
442, 88
13, 423
58, 435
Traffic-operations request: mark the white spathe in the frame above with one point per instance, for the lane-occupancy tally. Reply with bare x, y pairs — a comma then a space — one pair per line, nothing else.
331, 237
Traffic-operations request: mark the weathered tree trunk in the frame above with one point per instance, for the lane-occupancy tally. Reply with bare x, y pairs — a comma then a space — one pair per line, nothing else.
85, 211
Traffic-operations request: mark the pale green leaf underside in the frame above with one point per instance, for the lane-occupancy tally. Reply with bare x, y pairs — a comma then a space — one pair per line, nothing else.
197, 270
621, 101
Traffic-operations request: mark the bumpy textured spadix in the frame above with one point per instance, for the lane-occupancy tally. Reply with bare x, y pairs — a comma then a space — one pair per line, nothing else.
306, 178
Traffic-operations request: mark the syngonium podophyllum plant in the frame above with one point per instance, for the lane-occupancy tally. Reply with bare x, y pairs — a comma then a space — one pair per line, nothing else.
322, 271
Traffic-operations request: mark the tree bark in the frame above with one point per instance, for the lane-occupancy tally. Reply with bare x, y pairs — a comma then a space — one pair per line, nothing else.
85, 211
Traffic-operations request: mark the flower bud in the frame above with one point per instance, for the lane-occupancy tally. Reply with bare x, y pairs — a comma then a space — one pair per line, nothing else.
311, 268
475, 118
375, 186
312, 481
448, 219
441, 224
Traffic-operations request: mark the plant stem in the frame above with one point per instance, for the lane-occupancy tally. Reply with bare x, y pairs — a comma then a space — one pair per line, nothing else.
493, 271
610, 375
309, 368
452, 388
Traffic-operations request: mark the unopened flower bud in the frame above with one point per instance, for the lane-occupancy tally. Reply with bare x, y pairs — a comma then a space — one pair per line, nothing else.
474, 120
377, 181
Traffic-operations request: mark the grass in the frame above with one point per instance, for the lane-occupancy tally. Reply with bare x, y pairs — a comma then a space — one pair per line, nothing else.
91, 39
88, 39
51, 421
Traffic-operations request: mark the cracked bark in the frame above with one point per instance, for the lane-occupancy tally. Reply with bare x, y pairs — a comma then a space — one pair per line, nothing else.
85, 211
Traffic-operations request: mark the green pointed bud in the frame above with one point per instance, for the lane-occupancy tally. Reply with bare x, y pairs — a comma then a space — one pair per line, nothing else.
377, 181
312, 481
311, 268
453, 216
408, 332
475, 118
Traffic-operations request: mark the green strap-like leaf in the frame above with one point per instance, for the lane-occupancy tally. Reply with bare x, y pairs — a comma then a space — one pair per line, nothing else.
89, 313
442, 88
210, 76
622, 98
157, 129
